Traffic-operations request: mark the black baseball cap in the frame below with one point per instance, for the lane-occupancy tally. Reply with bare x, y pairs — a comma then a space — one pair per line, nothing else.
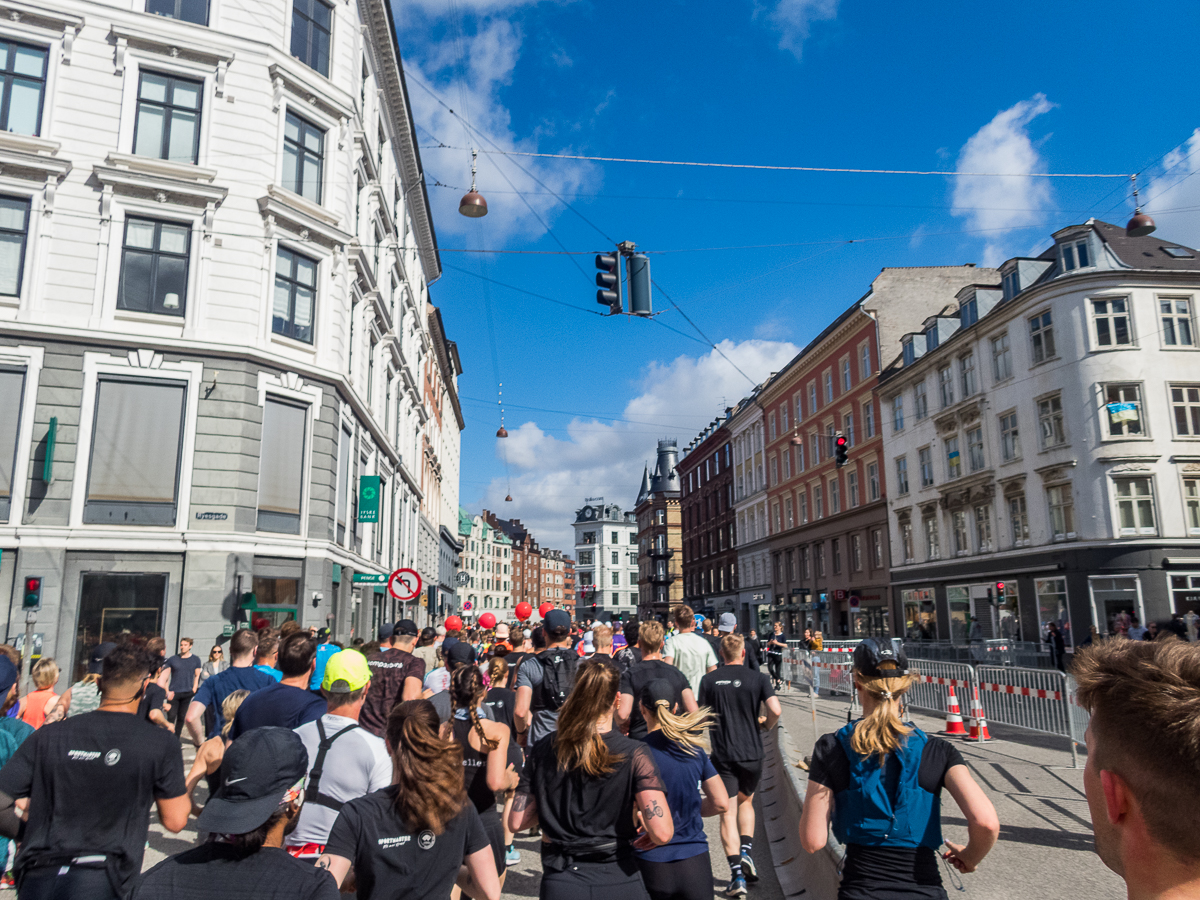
557, 620
658, 689
96, 657
405, 628
385, 632
260, 769
871, 653
460, 653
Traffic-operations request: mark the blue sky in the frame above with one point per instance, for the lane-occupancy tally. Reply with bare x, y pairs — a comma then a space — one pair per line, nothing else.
1068, 87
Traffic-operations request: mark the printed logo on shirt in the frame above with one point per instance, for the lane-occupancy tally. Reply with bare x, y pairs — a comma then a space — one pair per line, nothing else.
391, 843
425, 840
112, 757
83, 755
737, 683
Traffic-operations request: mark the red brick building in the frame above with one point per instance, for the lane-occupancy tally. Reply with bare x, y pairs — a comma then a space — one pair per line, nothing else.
710, 578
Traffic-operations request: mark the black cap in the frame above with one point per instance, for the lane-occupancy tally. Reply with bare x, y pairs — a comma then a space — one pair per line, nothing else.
557, 620
405, 628
323, 634
385, 632
658, 689
872, 652
96, 657
259, 769
460, 653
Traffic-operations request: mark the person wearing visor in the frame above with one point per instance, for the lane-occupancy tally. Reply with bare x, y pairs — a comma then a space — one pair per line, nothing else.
879, 780
246, 821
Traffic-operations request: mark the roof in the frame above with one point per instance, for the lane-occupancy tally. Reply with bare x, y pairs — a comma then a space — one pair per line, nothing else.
465, 520
1145, 252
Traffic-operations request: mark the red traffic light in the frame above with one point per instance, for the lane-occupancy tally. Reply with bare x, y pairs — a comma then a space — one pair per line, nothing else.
841, 441
999, 587
32, 584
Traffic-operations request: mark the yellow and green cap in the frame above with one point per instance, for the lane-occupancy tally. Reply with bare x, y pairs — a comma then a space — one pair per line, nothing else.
346, 671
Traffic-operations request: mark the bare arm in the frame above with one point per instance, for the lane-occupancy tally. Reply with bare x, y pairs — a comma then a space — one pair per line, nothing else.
656, 816
983, 826
716, 798
173, 812
497, 759
522, 718
816, 816
669, 660
624, 711
157, 717
523, 814
60, 708
338, 866
413, 687
196, 680
482, 882
689, 701
774, 711
711, 669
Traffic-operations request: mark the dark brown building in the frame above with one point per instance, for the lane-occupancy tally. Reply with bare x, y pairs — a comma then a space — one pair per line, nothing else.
710, 580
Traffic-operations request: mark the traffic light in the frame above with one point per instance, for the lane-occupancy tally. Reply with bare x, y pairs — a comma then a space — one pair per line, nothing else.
33, 594
841, 453
608, 279
639, 285
1000, 590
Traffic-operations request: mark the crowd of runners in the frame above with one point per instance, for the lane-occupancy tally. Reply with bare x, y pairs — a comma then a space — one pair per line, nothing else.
405, 767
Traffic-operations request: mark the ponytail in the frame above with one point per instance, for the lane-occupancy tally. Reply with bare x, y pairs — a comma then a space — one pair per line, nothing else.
467, 692
578, 744
497, 671
427, 770
883, 731
682, 729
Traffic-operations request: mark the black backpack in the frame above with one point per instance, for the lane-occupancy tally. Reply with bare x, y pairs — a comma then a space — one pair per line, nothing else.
558, 677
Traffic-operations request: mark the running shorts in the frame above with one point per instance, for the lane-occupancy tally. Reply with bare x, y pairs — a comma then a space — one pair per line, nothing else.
739, 777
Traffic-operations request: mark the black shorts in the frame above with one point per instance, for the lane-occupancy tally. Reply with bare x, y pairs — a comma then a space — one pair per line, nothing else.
739, 777
494, 829
516, 757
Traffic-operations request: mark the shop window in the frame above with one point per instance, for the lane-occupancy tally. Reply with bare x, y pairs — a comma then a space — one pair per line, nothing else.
117, 607
1052, 607
1115, 604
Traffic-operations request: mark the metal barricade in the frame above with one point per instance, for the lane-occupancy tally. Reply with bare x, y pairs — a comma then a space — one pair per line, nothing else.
1034, 699
933, 683
834, 665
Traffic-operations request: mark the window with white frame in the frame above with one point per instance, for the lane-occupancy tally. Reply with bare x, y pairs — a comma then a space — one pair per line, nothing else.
788, 513
1001, 358
958, 527
154, 267
1041, 336
802, 501
1062, 511
303, 157
1011, 284
1185, 404
820, 552
1018, 520
848, 428
1075, 255
1123, 409
846, 383
966, 367
774, 471
281, 466
1051, 431
195, 11
835, 496
1010, 437
783, 426
1191, 504
787, 464
1135, 506
818, 502
799, 408
868, 417
852, 489
24, 87
312, 21
812, 397
295, 296
1176, 316
902, 475
855, 553
864, 360
14, 235
167, 125
975, 448
12, 392
920, 401
814, 440
933, 549
983, 527
906, 541
925, 460
799, 457
873, 481
898, 413
828, 386
137, 437
877, 548
953, 459
946, 385
1110, 322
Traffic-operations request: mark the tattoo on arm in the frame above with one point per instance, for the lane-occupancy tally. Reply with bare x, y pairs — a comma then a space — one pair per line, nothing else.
521, 802
323, 862
652, 809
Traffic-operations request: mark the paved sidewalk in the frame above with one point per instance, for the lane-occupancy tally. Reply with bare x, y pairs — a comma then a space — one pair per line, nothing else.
1045, 847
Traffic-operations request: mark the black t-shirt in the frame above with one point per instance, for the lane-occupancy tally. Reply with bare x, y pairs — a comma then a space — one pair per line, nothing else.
390, 860
228, 872
389, 669
772, 649
714, 641
501, 701
627, 657
634, 680
90, 780
735, 694
581, 811
887, 872
152, 699
183, 673
281, 705
514, 661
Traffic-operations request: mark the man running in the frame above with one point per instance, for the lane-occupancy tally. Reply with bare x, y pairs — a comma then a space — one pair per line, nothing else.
688, 651
289, 703
544, 680
241, 675
736, 695
90, 780
651, 668
727, 624
324, 651
185, 680
396, 675
266, 657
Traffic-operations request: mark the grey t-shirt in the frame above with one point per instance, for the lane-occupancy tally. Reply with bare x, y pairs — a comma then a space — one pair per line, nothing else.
545, 721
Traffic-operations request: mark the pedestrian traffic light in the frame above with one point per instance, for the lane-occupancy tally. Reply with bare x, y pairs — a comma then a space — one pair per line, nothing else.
840, 451
33, 594
608, 279
1000, 589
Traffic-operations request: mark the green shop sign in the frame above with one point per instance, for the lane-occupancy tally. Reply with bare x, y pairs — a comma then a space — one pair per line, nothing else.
368, 498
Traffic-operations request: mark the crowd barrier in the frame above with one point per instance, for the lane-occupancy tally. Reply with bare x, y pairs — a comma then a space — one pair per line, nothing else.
999, 652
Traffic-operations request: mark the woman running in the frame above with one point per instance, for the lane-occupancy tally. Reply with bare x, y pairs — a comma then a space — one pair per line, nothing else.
879, 781
410, 840
680, 870
484, 746
502, 701
211, 753
35, 705
583, 784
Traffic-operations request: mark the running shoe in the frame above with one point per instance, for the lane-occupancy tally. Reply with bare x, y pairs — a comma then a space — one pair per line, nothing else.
512, 856
748, 871
737, 887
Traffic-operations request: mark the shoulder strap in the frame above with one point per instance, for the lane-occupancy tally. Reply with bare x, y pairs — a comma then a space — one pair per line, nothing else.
312, 793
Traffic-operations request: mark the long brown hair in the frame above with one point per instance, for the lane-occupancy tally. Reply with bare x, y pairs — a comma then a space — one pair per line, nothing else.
497, 671
427, 770
467, 692
578, 743
883, 731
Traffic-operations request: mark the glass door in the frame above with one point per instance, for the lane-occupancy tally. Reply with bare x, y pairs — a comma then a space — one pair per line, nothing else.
125, 608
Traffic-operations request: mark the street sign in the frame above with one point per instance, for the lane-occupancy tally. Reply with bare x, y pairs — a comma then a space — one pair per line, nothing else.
839, 594
227, 629
369, 578
854, 602
468, 606
404, 584
462, 579
368, 498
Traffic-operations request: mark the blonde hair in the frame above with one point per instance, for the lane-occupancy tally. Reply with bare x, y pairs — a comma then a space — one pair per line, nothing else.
685, 729
732, 646
602, 637
45, 673
882, 731
229, 708
650, 636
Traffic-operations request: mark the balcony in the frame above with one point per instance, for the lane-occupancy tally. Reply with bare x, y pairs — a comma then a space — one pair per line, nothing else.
660, 553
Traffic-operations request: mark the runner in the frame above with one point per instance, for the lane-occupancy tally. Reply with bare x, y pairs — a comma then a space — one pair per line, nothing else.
425, 650
90, 781
602, 640
736, 696
211, 753
453, 635
776, 644
651, 668
438, 681
396, 675
240, 676
35, 705
544, 681
878, 781
680, 870
727, 624
185, 681
486, 767
582, 784
324, 650
501, 702
630, 654
266, 657
410, 839
246, 821
533, 640
688, 651
289, 703
355, 762
84, 695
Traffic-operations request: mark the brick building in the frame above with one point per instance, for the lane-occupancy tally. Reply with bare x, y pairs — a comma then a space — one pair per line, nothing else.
710, 578
659, 537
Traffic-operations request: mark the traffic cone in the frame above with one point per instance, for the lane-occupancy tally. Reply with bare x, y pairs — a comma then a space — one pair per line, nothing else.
979, 727
954, 719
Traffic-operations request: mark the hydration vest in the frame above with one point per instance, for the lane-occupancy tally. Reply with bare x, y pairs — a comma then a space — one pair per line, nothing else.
865, 814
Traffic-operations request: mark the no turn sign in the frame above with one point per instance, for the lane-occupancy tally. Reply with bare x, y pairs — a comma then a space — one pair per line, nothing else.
405, 584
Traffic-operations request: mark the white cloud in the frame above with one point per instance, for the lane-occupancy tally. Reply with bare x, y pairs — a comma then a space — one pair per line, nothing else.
1172, 195
1001, 204
793, 20
553, 473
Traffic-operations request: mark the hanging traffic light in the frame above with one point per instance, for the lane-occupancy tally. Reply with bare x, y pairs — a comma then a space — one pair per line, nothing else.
841, 454
608, 279
33, 594
638, 265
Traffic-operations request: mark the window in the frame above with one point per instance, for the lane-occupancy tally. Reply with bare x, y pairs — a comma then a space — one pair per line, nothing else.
774, 471
1001, 358
154, 267
873, 481
303, 157
835, 547
852, 488
864, 361
1177, 322
133, 478
909, 352
902, 475
771, 426
828, 386
848, 428
877, 548
958, 522
799, 457
615, 556
585, 558
1185, 402
818, 502
846, 383
310, 33
616, 539
1010, 437
1062, 511
1111, 320
1052, 606
835, 496
898, 412
820, 551
983, 527
12, 390
187, 10
1122, 403
1012, 284
775, 516
868, 417
812, 397
1050, 423
946, 385
933, 549
1075, 255
802, 499
856, 553
966, 367
968, 313
975, 448
1041, 334
24, 73
925, 460
906, 541
815, 440
295, 295
788, 517
1135, 506
931, 338
168, 118
1018, 520
14, 231
1191, 504
953, 459
920, 401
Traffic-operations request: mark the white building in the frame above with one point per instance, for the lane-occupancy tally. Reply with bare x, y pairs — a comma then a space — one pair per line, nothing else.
1045, 433
606, 568
487, 560
750, 507
215, 323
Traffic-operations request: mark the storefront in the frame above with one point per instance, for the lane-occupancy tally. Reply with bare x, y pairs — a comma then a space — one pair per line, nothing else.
1117, 602
1185, 592
869, 614
919, 607
978, 612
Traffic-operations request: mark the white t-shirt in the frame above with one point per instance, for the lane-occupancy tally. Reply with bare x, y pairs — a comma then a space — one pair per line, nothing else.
438, 680
357, 764
692, 655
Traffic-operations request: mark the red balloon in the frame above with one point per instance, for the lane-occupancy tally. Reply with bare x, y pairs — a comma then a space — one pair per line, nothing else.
545, 608
487, 620
453, 623
524, 610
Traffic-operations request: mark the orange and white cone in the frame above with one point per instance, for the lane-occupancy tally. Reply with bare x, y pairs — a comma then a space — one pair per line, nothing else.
979, 727
954, 719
